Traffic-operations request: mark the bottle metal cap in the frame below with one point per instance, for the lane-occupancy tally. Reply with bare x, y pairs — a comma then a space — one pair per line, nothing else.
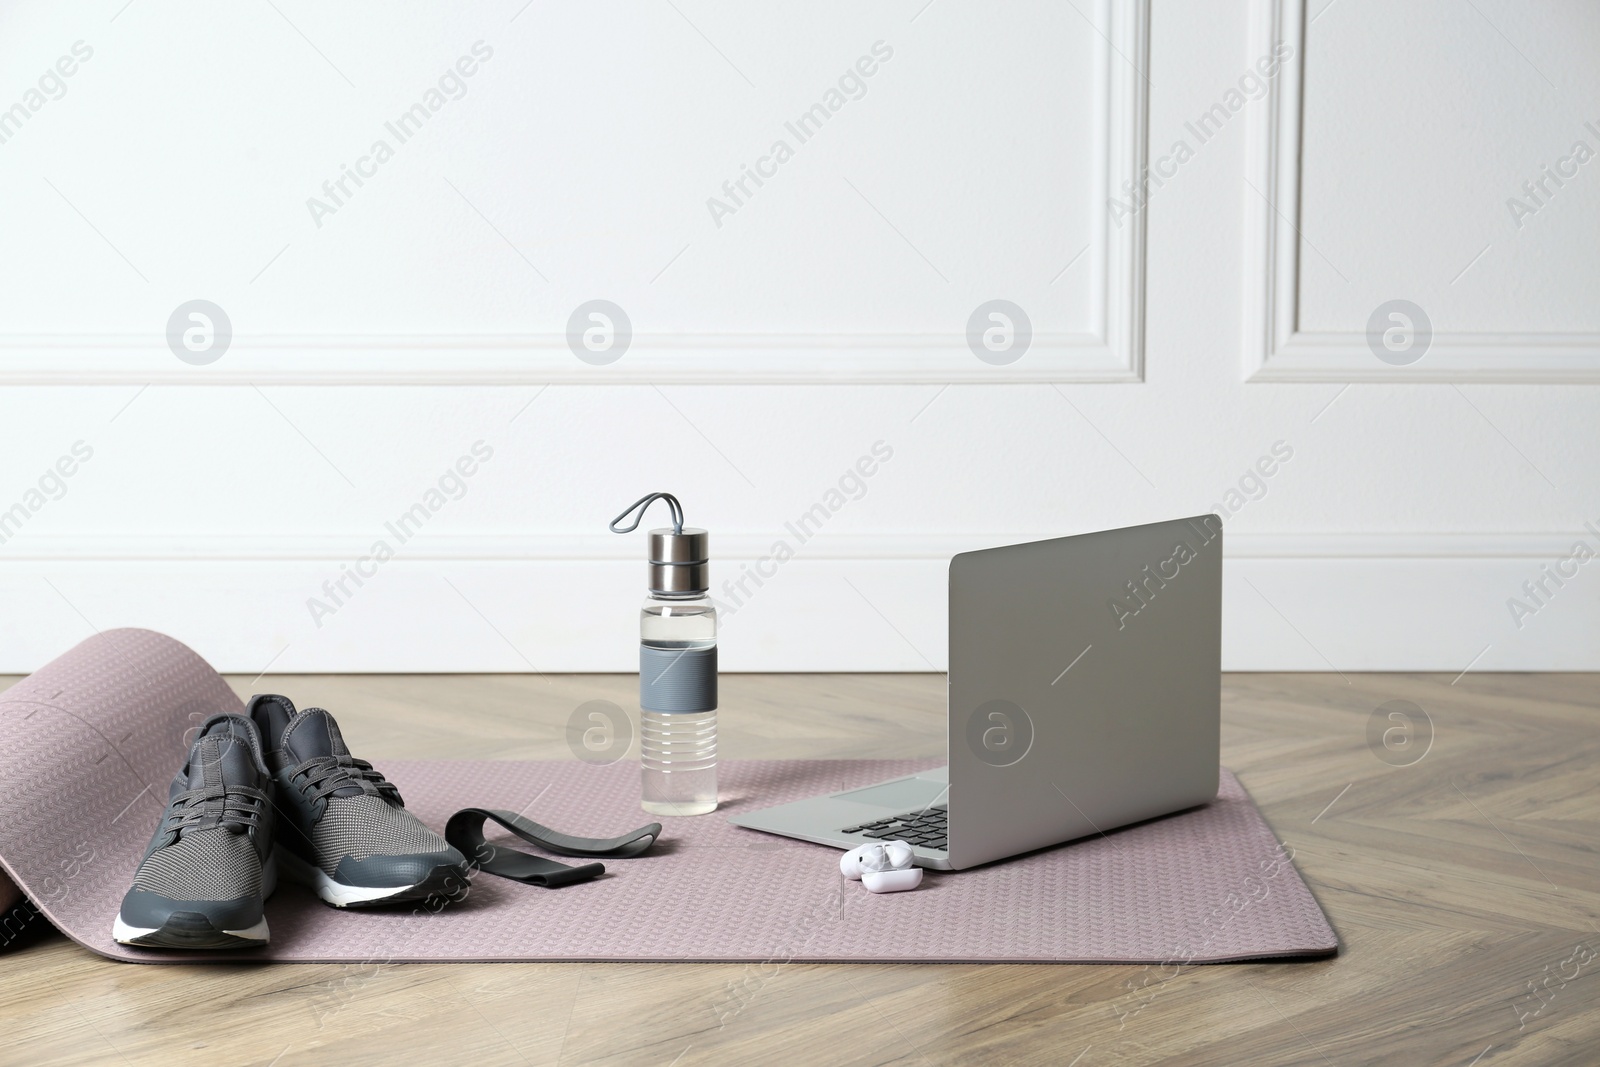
679, 562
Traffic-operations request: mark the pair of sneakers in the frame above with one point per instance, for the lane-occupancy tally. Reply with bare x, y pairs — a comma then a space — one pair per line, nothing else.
274, 792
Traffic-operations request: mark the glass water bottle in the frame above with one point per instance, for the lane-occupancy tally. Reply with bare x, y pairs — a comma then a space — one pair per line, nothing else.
677, 671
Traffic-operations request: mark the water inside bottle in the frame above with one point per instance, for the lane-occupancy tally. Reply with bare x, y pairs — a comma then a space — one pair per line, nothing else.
678, 762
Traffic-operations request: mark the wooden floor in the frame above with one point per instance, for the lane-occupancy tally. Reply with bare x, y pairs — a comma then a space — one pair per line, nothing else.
1464, 886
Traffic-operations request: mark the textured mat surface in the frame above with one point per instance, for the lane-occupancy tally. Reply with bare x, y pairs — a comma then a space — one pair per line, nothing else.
88, 744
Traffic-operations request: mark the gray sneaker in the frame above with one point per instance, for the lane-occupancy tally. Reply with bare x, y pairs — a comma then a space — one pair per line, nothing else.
209, 866
344, 831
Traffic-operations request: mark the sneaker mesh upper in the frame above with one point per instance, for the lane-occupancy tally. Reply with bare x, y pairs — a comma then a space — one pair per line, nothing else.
366, 826
203, 865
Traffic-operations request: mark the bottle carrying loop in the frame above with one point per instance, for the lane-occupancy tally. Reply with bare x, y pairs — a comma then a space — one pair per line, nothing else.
642, 505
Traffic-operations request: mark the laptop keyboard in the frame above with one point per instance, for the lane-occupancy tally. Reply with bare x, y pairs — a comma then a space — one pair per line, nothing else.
928, 828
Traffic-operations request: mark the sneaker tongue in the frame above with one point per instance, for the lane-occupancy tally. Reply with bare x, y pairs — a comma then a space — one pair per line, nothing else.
222, 756
313, 733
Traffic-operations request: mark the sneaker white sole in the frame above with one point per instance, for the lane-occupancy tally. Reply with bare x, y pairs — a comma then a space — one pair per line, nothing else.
192, 935
167, 937
338, 894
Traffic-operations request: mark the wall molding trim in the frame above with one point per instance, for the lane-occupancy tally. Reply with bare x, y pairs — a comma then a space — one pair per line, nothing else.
462, 602
555, 548
1299, 602
533, 359
1112, 352
1275, 349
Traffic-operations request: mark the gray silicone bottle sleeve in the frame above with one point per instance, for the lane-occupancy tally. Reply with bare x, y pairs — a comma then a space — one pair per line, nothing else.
677, 680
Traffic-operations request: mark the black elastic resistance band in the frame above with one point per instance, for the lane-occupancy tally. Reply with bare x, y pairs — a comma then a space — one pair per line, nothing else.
464, 832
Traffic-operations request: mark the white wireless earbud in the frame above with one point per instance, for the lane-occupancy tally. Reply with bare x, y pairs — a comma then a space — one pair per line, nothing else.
882, 867
864, 858
889, 856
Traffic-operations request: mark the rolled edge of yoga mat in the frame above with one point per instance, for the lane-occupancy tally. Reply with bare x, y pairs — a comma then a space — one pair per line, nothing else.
88, 745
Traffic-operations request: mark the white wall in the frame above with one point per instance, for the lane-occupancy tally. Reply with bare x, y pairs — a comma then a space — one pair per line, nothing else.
1179, 337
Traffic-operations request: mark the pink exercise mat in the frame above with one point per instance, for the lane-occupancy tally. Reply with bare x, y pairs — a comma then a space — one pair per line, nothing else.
91, 740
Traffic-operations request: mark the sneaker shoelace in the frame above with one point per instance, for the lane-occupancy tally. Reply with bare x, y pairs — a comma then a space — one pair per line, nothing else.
236, 809
323, 774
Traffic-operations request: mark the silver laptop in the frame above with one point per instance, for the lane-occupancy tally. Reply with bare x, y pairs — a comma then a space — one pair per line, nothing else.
1084, 695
